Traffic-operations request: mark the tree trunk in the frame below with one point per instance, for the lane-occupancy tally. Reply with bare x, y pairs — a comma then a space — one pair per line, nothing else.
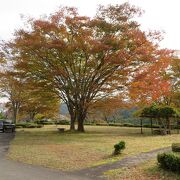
14, 115
15, 107
81, 117
80, 125
151, 126
141, 126
72, 125
72, 113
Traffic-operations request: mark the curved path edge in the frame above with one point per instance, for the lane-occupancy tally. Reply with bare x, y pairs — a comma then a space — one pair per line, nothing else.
130, 161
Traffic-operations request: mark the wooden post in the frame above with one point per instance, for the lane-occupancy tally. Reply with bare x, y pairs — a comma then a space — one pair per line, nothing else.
141, 126
151, 126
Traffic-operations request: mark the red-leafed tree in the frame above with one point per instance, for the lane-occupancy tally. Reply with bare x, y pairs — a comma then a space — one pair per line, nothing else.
83, 58
151, 83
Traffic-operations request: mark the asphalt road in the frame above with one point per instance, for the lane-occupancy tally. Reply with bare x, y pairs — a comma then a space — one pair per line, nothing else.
11, 170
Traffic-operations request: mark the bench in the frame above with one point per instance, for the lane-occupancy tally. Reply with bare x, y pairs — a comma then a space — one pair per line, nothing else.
61, 129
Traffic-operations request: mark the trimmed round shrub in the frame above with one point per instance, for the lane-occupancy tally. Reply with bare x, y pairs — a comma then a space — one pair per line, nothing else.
170, 161
119, 147
176, 147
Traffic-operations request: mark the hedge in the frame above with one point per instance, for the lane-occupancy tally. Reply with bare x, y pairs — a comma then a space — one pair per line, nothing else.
101, 124
149, 125
45, 122
63, 122
128, 125
116, 124
28, 125
170, 161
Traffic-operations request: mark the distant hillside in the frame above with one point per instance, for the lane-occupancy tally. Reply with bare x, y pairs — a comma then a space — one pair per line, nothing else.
121, 116
64, 109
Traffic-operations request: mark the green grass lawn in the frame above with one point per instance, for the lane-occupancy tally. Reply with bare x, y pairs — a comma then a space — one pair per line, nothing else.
70, 151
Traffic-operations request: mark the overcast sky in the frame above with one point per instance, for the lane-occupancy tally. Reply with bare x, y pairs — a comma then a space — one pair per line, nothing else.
159, 15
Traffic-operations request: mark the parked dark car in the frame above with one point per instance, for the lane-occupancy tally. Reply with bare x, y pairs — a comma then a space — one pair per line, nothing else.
7, 126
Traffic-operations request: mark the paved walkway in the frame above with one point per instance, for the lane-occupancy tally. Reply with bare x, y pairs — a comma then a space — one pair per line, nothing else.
11, 170
126, 162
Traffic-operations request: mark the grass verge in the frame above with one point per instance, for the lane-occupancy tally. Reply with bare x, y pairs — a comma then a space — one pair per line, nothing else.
146, 171
71, 151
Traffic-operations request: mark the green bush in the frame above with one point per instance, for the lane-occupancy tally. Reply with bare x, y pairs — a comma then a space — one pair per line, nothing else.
149, 125
119, 147
176, 126
42, 122
170, 161
47, 123
28, 125
31, 126
115, 124
18, 126
101, 124
34, 126
21, 125
88, 124
136, 125
62, 122
128, 125
176, 147
39, 126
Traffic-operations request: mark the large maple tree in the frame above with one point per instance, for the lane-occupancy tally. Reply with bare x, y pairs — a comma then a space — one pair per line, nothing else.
83, 59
